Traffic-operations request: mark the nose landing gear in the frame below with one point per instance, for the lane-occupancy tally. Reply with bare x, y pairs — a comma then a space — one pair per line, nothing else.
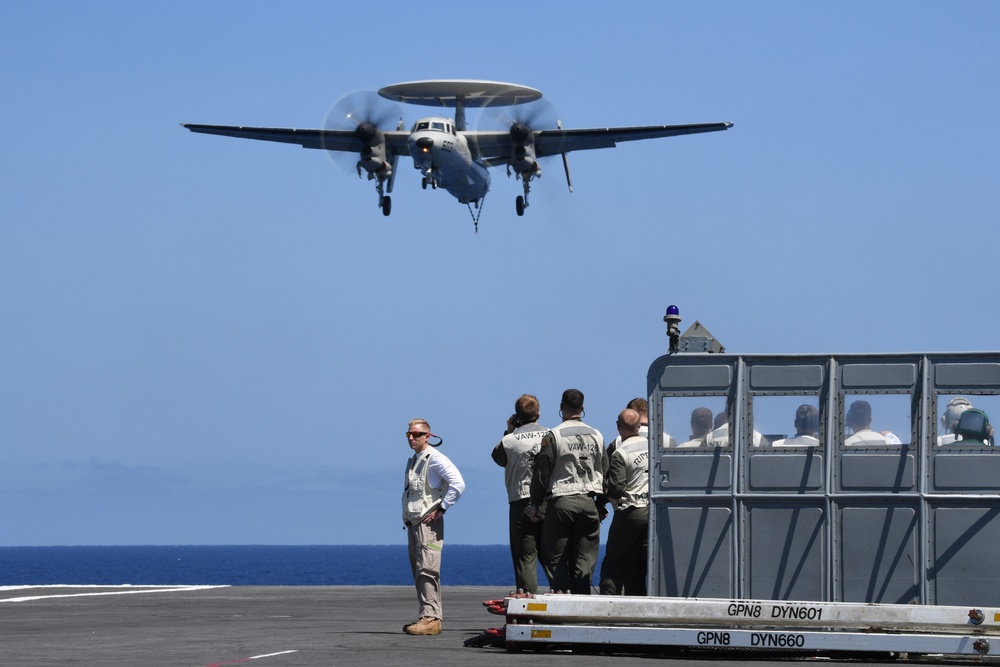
430, 178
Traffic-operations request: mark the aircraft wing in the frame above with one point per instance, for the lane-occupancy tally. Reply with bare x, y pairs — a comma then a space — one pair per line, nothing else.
554, 142
495, 147
330, 140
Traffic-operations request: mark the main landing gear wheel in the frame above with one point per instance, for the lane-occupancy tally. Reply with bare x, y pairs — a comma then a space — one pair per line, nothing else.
384, 201
423, 183
519, 204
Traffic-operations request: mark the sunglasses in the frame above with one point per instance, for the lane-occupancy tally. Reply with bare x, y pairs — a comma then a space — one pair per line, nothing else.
417, 434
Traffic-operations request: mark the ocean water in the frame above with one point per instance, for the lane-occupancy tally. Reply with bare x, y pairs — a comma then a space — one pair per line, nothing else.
253, 565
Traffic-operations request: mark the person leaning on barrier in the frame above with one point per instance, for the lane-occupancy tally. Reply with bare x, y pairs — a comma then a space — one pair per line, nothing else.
974, 428
859, 420
627, 486
516, 453
569, 472
432, 485
701, 427
949, 419
806, 428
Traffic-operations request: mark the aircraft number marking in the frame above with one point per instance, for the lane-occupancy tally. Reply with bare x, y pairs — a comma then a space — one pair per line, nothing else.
446, 146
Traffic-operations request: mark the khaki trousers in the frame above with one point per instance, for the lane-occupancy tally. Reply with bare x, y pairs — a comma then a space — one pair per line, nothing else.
425, 543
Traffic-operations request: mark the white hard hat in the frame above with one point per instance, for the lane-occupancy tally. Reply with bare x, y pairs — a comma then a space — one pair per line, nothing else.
954, 410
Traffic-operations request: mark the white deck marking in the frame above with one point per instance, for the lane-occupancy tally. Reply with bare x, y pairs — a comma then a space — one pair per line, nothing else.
128, 590
253, 657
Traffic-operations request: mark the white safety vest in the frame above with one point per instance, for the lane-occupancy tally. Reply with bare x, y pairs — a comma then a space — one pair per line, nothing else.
418, 496
521, 447
578, 455
635, 453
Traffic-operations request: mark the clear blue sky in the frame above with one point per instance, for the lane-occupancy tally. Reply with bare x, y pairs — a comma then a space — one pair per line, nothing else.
217, 341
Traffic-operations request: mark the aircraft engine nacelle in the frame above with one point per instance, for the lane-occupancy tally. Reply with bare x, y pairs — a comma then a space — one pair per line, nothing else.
522, 156
373, 151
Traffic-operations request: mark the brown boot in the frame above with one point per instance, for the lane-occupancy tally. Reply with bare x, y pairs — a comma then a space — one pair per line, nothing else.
425, 626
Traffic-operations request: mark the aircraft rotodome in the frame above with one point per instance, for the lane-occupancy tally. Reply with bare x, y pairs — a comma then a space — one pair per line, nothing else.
447, 153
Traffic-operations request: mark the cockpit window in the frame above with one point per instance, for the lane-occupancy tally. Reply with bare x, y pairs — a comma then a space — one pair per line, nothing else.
437, 126
422, 125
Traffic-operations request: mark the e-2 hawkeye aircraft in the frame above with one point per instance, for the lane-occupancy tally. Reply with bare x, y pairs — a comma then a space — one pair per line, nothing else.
446, 152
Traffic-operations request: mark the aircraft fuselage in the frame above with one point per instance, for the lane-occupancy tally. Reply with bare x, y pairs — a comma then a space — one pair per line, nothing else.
442, 155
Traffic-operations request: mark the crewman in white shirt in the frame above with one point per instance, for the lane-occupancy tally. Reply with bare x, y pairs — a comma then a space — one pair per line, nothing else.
859, 420
806, 428
432, 485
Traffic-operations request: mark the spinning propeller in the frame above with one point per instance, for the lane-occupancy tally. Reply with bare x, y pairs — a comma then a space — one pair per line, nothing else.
522, 121
367, 115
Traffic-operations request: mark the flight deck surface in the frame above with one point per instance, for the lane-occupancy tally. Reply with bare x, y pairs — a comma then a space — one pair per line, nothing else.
266, 626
